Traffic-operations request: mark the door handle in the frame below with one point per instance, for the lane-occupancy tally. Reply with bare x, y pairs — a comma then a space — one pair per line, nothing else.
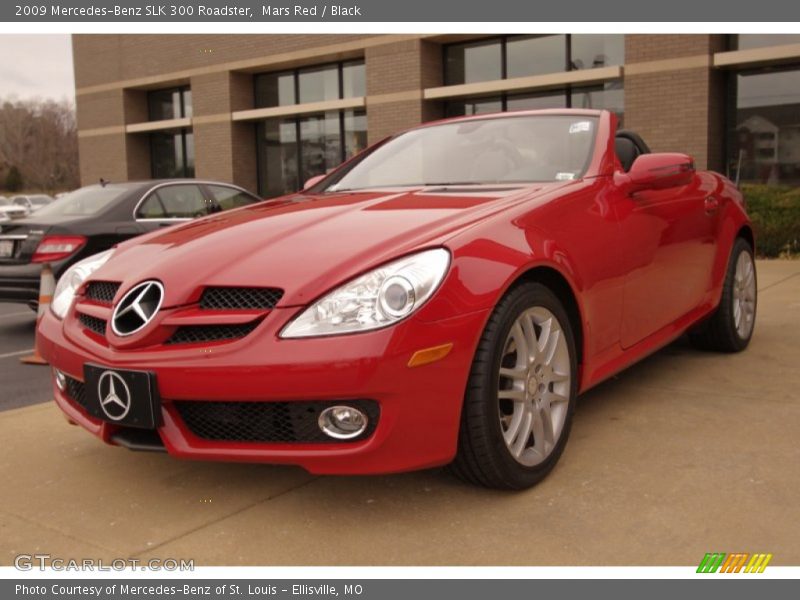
711, 204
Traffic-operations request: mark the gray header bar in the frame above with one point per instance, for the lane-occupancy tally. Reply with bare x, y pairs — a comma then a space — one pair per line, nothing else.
706, 587
442, 11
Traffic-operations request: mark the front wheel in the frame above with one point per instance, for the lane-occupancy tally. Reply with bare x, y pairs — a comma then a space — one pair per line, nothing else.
730, 328
521, 392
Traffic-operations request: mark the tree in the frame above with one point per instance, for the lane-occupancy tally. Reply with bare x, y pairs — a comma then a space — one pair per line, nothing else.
13, 179
39, 138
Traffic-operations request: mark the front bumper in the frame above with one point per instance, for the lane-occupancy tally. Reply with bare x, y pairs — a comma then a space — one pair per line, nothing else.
420, 407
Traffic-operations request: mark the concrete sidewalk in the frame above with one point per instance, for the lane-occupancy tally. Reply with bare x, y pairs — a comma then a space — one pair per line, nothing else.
683, 454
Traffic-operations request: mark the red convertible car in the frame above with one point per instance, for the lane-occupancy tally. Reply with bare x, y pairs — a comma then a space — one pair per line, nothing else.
441, 298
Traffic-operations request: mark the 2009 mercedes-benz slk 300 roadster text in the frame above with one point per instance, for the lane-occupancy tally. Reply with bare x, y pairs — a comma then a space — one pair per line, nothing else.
441, 298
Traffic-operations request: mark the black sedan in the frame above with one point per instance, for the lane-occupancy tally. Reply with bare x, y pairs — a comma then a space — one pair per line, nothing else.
97, 217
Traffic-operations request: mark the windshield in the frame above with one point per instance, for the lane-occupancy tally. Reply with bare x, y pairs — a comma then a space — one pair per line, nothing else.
498, 150
82, 203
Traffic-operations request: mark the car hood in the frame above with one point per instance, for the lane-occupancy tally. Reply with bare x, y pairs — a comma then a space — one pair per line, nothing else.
303, 244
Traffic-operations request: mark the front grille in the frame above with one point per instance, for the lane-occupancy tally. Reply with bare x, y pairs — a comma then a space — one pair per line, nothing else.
93, 323
102, 291
279, 422
196, 334
76, 391
239, 298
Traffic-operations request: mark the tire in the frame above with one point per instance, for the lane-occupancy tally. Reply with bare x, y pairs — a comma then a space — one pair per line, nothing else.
724, 331
494, 402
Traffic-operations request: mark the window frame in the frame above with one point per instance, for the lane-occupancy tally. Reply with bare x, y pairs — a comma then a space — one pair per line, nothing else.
181, 89
503, 40
295, 72
153, 190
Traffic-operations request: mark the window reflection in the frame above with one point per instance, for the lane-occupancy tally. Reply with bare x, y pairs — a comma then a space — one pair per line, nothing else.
171, 103
473, 62
765, 132
291, 151
535, 55
591, 51
763, 40
310, 84
172, 154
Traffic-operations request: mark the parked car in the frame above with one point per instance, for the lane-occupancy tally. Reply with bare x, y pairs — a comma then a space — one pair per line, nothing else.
442, 297
32, 202
97, 217
9, 210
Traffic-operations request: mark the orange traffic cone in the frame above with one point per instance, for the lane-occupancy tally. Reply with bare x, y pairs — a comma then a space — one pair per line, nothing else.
47, 285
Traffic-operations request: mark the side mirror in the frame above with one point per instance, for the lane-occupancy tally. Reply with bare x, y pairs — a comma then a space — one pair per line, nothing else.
658, 171
313, 181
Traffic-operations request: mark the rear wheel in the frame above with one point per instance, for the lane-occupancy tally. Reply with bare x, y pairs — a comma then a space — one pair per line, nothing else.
730, 328
521, 392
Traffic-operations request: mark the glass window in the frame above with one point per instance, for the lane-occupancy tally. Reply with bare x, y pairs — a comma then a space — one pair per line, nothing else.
500, 150
179, 202
590, 51
278, 168
609, 97
314, 84
318, 84
320, 144
765, 129
172, 154
83, 202
173, 103
291, 151
475, 61
541, 100
536, 55
227, 197
474, 106
354, 80
355, 132
746, 41
275, 89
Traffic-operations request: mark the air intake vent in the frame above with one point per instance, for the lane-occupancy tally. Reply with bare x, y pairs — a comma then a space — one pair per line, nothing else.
239, 298
195, 334
76, 391
277, 422
102, 292
93, 323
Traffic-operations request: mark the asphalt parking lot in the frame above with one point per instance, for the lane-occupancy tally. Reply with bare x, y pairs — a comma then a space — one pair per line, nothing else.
680, 455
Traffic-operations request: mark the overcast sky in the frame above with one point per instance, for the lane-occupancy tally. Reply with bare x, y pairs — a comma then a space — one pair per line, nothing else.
36, 66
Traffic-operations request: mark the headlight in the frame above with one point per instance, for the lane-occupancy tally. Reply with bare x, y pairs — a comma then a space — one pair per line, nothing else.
379, 298
72, 279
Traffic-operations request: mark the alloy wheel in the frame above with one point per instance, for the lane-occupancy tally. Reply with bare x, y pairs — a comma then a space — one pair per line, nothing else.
534, 386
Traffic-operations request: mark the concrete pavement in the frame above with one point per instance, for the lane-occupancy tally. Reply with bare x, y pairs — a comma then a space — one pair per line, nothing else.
683, 454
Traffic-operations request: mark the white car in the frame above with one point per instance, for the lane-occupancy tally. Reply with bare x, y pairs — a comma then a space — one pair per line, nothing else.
9, 210
32, 202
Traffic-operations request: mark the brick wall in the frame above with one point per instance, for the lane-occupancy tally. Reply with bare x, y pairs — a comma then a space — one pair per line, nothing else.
673, 96
396, 75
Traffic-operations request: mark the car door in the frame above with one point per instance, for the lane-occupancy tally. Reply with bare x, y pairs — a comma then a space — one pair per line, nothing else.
169, 204
669, 237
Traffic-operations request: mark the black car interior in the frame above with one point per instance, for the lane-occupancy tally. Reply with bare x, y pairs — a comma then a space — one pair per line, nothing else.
628, 146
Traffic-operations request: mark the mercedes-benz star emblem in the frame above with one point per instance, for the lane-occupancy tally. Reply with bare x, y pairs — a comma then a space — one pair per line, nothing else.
137, 308
115, 397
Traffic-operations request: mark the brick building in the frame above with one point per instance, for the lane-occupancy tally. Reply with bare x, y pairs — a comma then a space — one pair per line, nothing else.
269, 111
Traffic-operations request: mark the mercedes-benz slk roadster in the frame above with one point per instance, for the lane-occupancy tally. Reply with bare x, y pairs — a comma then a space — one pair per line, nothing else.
441, 298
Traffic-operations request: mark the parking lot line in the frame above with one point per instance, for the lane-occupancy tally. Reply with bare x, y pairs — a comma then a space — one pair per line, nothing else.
16, 314
17, 353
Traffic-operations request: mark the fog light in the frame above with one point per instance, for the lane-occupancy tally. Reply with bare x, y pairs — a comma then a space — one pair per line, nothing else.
342, 422
61, 380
